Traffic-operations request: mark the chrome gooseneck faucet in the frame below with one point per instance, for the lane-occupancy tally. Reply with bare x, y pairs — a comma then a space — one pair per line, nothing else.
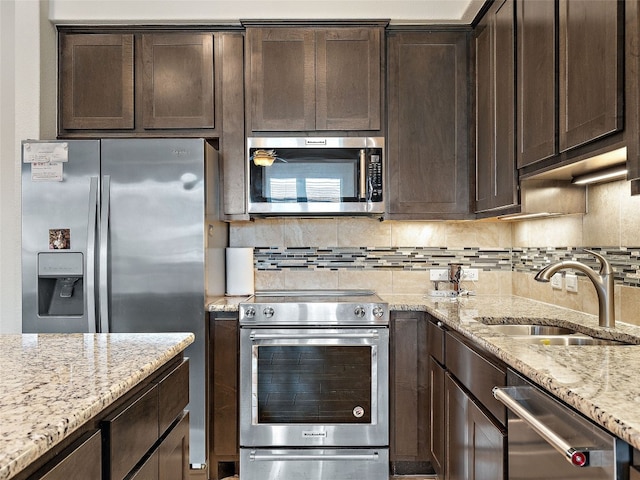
602, 281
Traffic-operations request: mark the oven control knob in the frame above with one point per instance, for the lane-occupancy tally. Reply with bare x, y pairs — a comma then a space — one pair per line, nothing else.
359, 311
378, 311
250, 312
268, 312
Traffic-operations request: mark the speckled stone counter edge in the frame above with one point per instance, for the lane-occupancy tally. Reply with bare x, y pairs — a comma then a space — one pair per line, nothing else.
20, 448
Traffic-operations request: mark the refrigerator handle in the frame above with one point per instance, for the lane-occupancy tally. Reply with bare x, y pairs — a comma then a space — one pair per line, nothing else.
91, 255
104, 250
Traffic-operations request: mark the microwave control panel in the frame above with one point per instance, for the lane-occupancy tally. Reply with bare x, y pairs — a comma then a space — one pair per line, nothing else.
375, 177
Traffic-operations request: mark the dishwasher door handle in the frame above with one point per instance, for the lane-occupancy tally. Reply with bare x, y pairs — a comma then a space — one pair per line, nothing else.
574, 455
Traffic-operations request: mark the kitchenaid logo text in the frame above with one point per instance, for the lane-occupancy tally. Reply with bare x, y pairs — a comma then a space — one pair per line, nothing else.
314, 434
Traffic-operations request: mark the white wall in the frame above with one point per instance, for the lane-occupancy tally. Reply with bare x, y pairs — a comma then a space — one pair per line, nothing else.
163, 11
26, 79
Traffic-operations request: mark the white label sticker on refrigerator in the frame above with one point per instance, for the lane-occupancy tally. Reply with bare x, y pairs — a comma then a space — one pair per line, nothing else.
45, 152
46, 172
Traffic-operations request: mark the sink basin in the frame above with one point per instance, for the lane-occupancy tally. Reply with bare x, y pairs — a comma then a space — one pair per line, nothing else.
565, 340
531, 330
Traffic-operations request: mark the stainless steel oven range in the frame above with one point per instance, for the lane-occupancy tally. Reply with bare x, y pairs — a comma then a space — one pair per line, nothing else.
314, 382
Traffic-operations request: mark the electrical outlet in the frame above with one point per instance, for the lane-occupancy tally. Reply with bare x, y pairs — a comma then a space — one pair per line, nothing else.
571, 281
556, 281
439, 274
470, 274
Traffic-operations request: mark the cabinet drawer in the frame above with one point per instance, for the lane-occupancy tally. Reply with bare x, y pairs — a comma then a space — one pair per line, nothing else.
82, 463
173, 395
130, 432
477, 373
435, 341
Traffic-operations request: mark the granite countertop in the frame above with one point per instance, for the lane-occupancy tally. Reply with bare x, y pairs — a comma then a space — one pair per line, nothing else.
599, 381
54, 383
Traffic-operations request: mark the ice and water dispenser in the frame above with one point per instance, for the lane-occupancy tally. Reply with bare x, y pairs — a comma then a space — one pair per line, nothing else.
60, 283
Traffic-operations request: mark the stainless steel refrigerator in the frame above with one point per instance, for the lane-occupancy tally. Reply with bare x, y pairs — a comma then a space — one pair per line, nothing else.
113, 240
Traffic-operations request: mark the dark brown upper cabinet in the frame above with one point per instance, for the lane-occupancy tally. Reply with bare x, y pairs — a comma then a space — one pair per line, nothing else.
428, 130
136, 83
591, 70
310, 78
177, 80
571, 81
496, 174
537, 81
96, 81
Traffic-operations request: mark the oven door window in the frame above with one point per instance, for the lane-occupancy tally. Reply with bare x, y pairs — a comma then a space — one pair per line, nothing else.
314, 384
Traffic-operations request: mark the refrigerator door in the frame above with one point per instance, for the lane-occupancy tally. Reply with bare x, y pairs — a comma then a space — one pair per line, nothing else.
153, 250
59, 213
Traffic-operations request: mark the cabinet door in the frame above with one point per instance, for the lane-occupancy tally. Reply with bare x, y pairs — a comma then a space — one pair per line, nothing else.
82, 463
537, 116
484, 118
96, 81
504, 104
230, 51
496, 175
224, 353
177, 80
486, 446
437, 426
409, 417
427, 148
591, 66
173, 452
348, 83
457, 437
281, 78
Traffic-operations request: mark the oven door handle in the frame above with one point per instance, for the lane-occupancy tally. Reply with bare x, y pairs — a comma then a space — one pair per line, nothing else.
574, 455
323, 336
261, 457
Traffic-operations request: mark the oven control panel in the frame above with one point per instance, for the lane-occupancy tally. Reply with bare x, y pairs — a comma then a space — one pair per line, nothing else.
326, 313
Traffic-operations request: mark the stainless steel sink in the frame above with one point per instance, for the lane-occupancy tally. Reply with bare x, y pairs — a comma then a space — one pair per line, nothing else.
534, 334
531, 330
565, 340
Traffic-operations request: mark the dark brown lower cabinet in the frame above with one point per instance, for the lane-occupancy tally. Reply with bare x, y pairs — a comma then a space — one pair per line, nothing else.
437, 424
224, 351
83, 461
143, 436
149, 469
409, 393
475, 445
173, 450
456, 442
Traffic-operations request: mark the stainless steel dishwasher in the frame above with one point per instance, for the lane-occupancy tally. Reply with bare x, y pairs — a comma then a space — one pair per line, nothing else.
549, 440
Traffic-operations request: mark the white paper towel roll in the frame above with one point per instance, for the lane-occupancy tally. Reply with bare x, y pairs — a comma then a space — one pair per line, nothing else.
240, 271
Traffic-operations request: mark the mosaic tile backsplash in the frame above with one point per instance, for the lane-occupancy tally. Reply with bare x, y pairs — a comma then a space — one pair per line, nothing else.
626, 261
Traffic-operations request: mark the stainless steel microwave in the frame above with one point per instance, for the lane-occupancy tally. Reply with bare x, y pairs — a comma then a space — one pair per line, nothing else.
315, 175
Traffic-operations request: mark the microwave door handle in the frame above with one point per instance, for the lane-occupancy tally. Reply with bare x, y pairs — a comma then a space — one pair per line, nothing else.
363, 175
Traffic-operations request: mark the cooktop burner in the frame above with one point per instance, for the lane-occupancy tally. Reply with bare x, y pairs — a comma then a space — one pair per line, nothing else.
314, 307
